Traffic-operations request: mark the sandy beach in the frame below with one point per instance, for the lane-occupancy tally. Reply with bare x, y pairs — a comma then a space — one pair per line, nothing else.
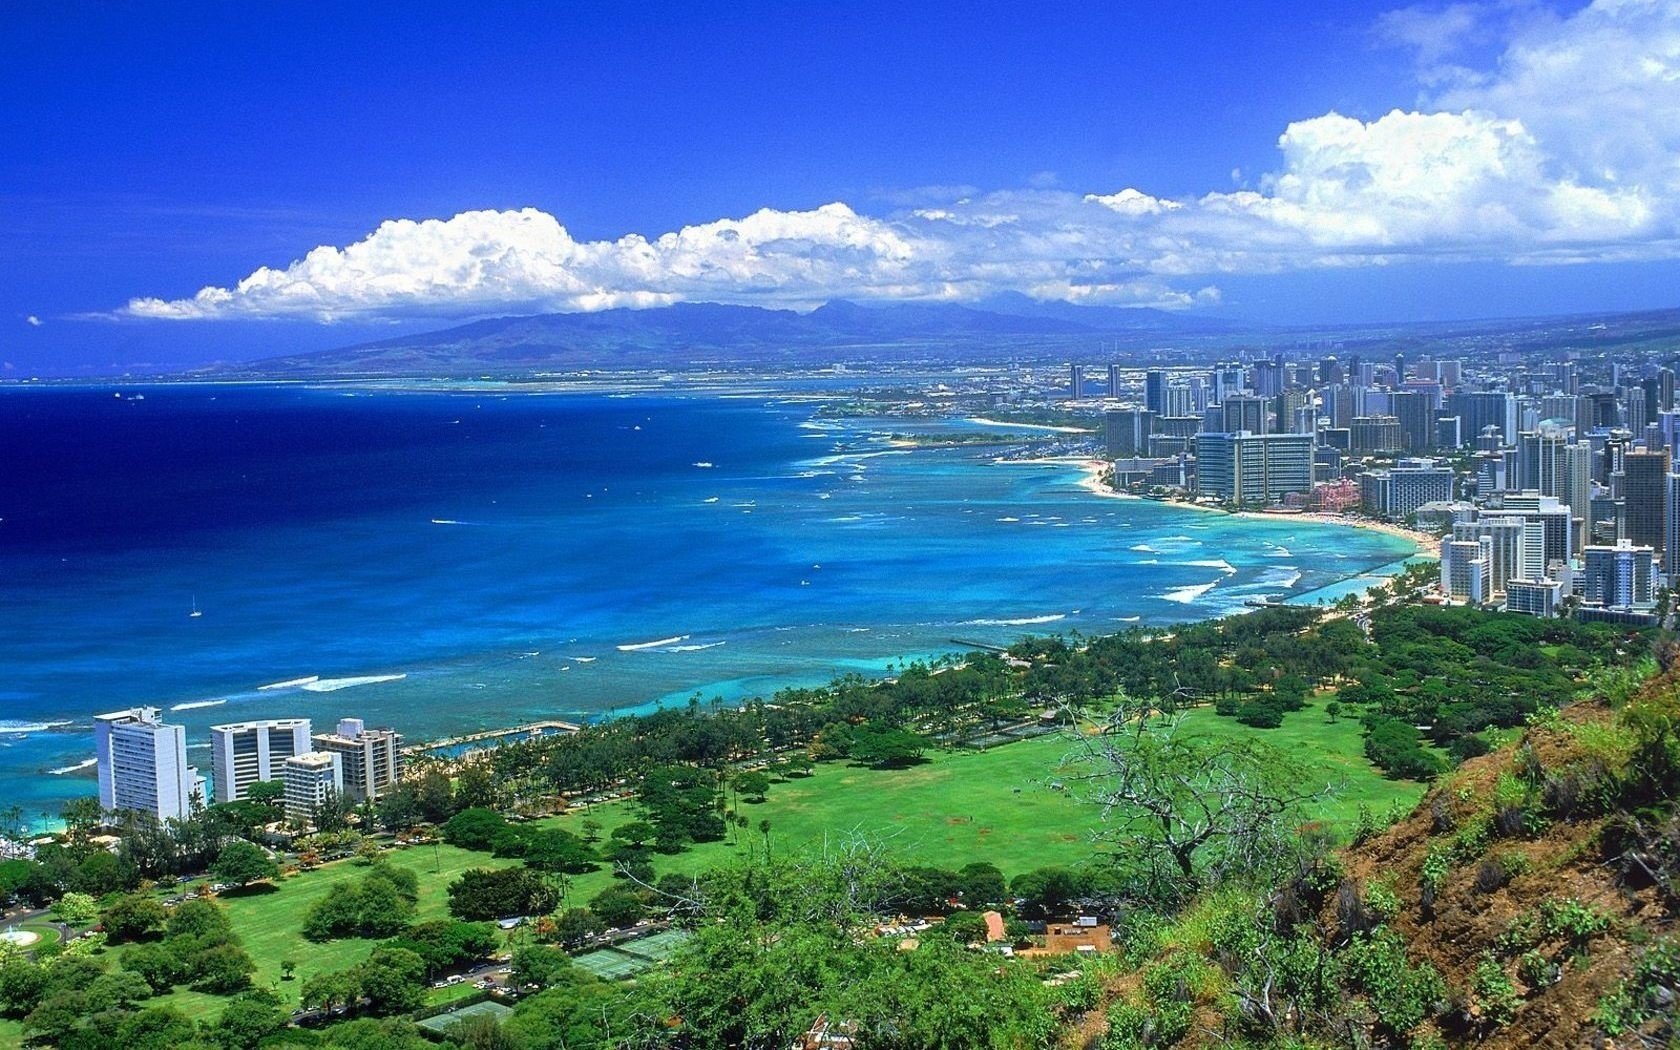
1428, 546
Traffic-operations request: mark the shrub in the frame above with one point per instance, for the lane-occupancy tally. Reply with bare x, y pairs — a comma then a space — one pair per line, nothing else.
1402, 994
1647, 994
1493, 995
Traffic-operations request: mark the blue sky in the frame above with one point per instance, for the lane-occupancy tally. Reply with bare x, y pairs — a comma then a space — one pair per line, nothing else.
1256, 161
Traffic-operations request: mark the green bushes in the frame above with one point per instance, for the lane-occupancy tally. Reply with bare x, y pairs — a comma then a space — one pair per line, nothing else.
1396, 748
1645, 996
1161, 1015
1493, 997
379, 905
1402, 994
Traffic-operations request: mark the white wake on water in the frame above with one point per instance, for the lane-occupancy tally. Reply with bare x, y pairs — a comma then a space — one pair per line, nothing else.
658, 643
333, 685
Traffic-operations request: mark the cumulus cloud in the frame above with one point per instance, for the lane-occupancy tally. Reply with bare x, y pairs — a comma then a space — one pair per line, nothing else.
1565, 150
32, 321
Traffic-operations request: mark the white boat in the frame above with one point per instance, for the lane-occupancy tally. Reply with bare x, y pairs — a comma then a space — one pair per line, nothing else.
196, 612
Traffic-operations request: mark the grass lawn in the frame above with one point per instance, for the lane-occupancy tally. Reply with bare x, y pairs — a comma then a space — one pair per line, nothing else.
11, 1032
995, 805
951, 810
1334, 751
269, 923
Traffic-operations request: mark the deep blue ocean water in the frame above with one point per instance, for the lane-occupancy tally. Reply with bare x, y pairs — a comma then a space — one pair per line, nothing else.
513, 557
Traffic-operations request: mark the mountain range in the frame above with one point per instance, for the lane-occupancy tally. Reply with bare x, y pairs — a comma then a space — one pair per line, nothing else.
693, 334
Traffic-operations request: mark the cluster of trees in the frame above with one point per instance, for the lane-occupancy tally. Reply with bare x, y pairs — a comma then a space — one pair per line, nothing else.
1458, 672
500, 893
545, 849
196, 947
379, 904
71, 998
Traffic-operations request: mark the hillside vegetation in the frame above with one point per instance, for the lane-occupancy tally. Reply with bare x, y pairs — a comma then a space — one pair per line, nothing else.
1529, 900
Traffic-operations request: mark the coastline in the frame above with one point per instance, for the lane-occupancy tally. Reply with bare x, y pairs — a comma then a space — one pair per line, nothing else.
1427, 546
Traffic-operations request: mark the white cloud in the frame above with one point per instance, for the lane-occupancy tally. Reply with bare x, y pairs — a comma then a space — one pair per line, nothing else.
1565, 150
32, 321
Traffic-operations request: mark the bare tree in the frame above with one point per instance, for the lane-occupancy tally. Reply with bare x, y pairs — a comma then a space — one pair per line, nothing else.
1188, 804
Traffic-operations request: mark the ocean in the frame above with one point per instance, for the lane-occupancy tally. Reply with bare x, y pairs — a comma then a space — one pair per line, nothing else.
444, 562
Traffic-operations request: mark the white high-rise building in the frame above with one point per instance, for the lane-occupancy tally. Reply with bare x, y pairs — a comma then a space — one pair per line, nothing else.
1467, 569
311, 779
143, 764
244, 753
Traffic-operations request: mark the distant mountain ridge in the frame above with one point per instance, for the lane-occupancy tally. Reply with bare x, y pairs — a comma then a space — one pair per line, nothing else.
724, 334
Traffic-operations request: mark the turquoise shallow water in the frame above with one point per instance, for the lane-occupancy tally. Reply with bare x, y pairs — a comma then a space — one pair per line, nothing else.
526, 557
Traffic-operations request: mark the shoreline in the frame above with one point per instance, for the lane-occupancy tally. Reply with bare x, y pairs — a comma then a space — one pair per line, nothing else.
1427, 546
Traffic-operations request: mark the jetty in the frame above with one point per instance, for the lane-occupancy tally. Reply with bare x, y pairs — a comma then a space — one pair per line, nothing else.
490, 737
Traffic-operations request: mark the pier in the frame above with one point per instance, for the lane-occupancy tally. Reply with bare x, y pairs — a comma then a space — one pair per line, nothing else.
468, 741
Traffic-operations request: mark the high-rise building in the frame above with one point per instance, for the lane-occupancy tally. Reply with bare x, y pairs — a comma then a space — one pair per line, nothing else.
1540, 460
1415, 409
244, 753
1645, 496
1154, 391
1467, 569
1245, 412
1253, 468
1533, 597
1113, 380
1620, 576
371, 759
1076, 382
1517, 547
1478, 410
142, 764
1126, 431
1374, 434
312, 779
1396, 493
1555, 518
1671, 530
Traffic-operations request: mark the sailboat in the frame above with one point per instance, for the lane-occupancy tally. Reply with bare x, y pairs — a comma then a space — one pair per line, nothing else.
196, 612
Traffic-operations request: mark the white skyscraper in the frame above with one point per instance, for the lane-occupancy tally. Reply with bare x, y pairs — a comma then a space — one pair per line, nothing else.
244, 753
143, 764
311, 779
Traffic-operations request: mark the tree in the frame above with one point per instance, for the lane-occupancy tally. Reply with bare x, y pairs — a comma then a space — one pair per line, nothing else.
221, 970
76, 909
242, 863
270, 793
117, 991
559, 850
157, 964
393, 980
618, 906
754, 785
634, 833
498, 894
886, 747
966, 927
1189, 805
134, 917
379, 905
248, 1020
435, 796
539, 965
981, 883
575, 926
474, 829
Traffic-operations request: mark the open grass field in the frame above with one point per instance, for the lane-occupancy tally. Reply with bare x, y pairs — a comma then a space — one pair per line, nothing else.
998, 805
1332, 750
